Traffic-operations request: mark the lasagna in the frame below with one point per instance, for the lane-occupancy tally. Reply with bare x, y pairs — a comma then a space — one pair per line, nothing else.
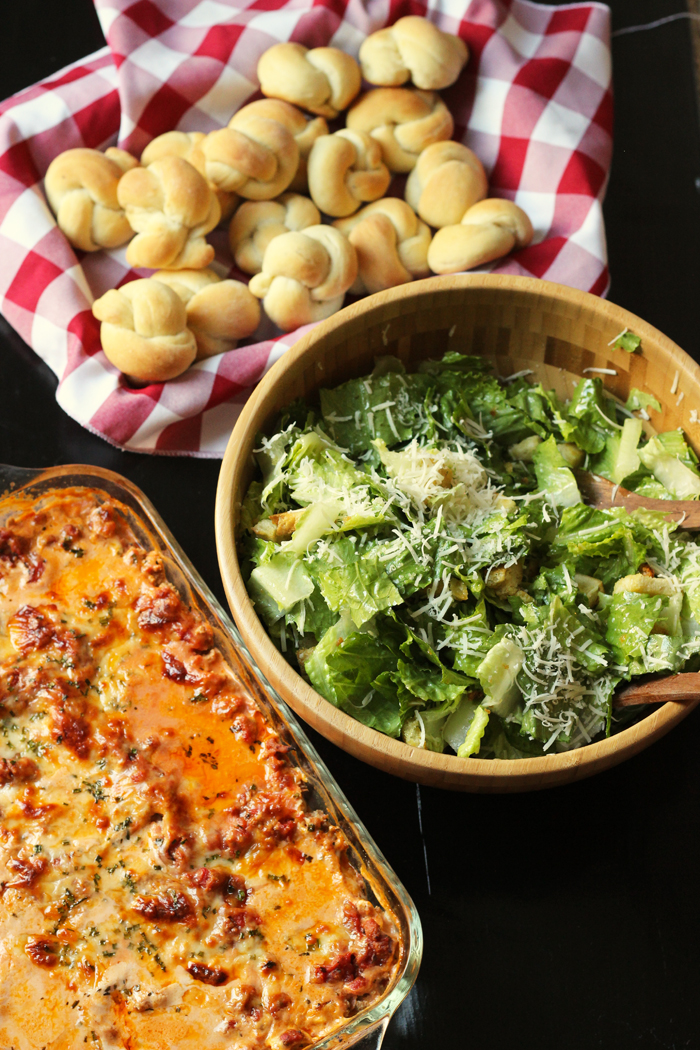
163, 879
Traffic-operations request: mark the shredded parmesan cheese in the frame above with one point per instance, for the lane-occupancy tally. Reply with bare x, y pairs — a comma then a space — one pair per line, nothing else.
674, 384
618, 336
517, 375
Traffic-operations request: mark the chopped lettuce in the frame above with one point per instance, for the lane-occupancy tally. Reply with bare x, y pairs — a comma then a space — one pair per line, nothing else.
639, 399
554, 476
419, 548
663, 459
620, 457
628, 341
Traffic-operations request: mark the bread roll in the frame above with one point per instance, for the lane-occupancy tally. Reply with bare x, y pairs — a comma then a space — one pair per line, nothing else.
219, 313
81, 187
188, 145
256, 223
323, 80
489, 230
403, 121
413, 49
124, 160
144, 331
305, 276
254, 156
445, 182
304, 130
172, 209
391, 244
346, 169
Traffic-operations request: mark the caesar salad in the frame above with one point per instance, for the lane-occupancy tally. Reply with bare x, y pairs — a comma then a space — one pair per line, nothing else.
418, 548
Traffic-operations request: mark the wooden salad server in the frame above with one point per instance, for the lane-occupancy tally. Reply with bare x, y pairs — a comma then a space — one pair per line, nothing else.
602, 494
675, 687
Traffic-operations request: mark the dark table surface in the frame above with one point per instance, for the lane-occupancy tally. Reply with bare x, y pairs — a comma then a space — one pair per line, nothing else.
568, 918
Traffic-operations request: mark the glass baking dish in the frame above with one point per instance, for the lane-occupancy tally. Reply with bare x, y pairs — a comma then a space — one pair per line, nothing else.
366, 1029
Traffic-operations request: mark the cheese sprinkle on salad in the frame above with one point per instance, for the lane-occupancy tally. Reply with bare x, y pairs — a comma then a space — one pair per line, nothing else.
419, 550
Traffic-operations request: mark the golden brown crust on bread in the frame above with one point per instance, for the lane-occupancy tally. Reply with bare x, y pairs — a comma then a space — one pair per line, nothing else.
254, 156
346, 169
172, 209
188, 145
304, 129
403, 121
391, 244
490, 229
219, 313
256, 223
305, 276
124, 161
323, 80
81, 187
447, 180
413, 49
144, 331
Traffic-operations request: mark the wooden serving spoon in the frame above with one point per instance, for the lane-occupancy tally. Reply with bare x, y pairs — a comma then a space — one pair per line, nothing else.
676, 687
602, 494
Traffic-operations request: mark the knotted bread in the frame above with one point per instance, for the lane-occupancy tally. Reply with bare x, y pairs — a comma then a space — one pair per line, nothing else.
489, 230
188, 145
445, 182
391, 244
256, 223
172, 209
346, 169
219, 313
323, 80
403, 121
255, 156
413, 49
144, 331
81, 187
305, 276
305, 131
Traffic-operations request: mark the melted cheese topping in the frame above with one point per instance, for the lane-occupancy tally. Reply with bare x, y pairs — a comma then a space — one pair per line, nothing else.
162, 880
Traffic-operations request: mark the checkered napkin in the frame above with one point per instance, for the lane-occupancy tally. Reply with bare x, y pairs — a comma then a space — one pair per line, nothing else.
534, 103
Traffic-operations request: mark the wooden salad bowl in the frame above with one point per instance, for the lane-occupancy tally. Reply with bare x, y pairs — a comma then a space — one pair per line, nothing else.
517, 323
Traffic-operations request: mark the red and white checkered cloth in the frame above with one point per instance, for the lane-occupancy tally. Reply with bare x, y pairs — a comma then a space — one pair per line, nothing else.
534, 102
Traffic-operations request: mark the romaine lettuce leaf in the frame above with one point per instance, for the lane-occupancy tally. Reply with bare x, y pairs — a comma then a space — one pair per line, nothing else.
278, 584
423, 728
553, 475
379, 406
362, 587
469, 639
431, 685
599, 543
620, 457
639, 399
669, 459
628, 341
631, 619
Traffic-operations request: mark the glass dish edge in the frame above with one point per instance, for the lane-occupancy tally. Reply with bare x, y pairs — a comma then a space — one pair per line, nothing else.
369, 1024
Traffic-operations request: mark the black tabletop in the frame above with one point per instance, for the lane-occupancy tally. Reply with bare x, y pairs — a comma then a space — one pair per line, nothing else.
571, 917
